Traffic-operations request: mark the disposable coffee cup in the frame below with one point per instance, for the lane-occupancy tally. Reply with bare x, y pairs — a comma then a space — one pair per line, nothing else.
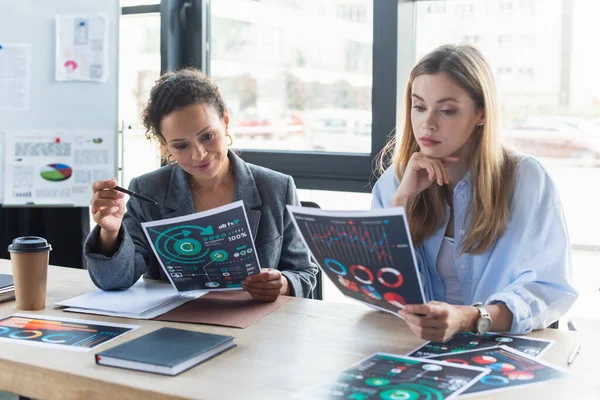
29, 256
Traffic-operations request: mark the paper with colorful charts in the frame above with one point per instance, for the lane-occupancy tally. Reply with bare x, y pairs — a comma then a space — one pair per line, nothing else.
62, 333
465, 341
390, 377
508, 368
368, 255
210, 250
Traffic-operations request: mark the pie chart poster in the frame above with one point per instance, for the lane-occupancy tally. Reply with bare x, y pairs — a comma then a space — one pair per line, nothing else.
509, 368
367, 258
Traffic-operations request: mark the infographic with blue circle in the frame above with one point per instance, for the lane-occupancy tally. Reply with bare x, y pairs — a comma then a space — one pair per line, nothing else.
210, 250
393, 377
368, 255
508, 368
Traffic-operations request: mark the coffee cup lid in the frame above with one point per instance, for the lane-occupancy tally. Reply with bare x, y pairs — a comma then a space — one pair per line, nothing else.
29, 244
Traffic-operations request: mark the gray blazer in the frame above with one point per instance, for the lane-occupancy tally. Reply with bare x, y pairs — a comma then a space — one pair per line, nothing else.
265, 194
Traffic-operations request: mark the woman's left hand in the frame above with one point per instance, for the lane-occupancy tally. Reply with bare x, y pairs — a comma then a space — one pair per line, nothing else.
438, 321
267, 285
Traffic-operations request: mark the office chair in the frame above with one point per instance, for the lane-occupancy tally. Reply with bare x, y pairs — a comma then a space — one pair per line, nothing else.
318, 292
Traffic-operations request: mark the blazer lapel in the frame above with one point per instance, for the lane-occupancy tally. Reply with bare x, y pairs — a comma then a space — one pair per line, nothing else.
178, 199
246, 190
179, 202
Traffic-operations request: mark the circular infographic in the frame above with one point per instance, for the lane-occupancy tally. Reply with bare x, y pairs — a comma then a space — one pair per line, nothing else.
502, 367
484, 360
56, 172
362, 274
335, 266
177, 244
188, 246
219, 255
348, 284
494, 380
390, 277
376, 382
394, 299
371, 292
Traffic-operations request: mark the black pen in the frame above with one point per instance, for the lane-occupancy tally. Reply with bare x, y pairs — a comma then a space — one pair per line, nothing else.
134, 194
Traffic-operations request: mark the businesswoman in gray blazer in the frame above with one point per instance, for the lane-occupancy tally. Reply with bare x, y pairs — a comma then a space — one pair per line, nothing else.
187, 115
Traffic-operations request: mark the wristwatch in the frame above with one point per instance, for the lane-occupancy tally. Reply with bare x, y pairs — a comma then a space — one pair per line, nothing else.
484, 323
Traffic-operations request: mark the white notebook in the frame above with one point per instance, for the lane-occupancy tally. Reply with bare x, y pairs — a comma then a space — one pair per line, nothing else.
144, 300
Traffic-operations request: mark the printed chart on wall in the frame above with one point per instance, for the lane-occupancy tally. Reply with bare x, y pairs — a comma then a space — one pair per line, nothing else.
210, 250
465, 341
389, 377
368, 255
56, 167
81, 47
508, 368
63, 333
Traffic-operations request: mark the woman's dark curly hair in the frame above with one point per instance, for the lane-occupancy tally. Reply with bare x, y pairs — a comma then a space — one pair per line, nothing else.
176, 90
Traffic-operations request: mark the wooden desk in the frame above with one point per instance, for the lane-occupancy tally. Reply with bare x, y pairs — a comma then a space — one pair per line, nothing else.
300, 344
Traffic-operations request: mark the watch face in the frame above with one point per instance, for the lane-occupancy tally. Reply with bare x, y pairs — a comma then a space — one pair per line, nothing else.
483, 325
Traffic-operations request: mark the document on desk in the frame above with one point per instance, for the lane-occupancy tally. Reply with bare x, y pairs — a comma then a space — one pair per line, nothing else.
368, 255
507, 367
465, 341
144, 300
60, 333
210, 250
391, 376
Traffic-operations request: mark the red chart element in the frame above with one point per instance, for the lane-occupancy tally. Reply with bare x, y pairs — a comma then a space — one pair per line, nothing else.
519, 375
353, 270
398, 279
394, 299
502, 367
484, 360
70, 65
456, 361
348, 284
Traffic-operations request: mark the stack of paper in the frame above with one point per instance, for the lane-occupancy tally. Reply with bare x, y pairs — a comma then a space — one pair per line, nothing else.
144, 300
7, 288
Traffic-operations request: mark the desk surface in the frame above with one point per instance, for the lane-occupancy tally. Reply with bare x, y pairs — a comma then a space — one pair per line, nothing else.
300, 344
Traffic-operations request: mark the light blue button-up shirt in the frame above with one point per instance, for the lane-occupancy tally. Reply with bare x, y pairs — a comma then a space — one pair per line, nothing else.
529, 267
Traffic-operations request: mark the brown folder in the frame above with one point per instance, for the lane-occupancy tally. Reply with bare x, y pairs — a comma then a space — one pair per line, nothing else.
234, 308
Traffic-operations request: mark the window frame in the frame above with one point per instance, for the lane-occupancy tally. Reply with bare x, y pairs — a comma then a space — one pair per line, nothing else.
185, 27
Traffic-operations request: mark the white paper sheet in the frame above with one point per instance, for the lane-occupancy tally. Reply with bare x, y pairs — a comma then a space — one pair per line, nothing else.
56, 167
81, 52
144, 300
15, 76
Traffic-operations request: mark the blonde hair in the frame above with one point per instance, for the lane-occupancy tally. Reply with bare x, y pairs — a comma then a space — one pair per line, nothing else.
492, 166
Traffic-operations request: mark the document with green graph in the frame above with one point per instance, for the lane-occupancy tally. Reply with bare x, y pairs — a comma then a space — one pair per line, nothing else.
209, 250
368, 255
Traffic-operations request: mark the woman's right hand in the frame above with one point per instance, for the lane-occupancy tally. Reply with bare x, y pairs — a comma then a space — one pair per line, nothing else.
421, 172
108, 207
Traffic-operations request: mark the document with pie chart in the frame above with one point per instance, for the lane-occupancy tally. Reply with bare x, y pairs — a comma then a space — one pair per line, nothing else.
368, 255
508, 368
209, 250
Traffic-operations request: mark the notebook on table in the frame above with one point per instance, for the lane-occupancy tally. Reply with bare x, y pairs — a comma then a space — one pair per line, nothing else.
7, 287
166, 351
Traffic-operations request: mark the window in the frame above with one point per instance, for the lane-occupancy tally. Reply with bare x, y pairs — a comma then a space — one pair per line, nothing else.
281, 80
139, 67
550, 100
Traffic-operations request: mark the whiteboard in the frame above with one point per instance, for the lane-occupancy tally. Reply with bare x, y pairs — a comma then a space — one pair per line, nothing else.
73, 106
